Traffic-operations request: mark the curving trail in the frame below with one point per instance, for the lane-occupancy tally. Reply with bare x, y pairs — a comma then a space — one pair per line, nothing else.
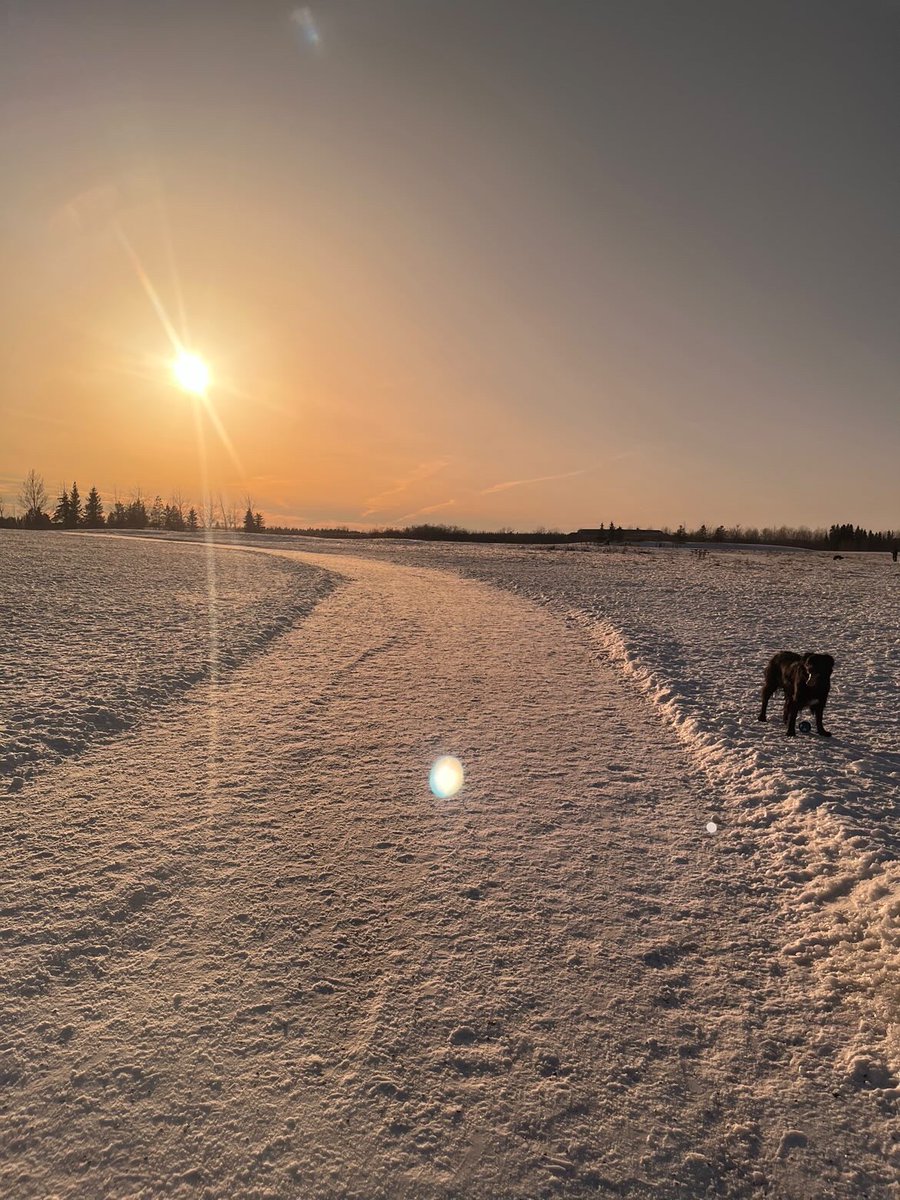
250, 955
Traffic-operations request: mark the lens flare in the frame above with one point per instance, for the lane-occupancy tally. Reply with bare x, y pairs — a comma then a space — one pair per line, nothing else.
446, 777
305, 21
191, 373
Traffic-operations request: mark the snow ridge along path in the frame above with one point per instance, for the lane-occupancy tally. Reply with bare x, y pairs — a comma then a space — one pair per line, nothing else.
248, 953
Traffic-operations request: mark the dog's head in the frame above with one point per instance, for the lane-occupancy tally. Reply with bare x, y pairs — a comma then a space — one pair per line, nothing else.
818, 668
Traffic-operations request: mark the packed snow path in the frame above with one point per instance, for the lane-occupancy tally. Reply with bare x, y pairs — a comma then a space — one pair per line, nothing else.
249, 953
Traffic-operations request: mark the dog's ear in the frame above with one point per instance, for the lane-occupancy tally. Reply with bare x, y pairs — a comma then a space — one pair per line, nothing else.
808, 660
829, 661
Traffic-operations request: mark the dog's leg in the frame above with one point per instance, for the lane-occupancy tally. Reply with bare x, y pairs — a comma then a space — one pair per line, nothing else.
820, 728
786, 712
767, 693
791, 709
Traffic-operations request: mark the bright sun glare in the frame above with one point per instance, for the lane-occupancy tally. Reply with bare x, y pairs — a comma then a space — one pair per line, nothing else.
191, 372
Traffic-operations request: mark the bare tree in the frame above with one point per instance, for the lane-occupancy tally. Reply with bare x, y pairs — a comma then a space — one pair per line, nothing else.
33, 497
229, 513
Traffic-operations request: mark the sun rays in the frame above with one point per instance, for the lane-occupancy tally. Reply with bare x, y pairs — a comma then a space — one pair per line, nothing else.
188, 369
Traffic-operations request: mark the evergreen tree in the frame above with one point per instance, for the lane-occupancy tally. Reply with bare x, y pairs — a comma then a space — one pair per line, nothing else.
259, 522
192, 522
174, 519
136, 514
62, 510
157, 514
93, 510
178, 518
249, 524
118, 518
76, 509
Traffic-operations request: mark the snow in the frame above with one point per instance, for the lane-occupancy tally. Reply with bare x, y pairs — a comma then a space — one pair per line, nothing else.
694, 635
98, 633
248, 952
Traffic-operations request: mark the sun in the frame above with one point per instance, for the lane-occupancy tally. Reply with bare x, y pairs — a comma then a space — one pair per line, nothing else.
191, 373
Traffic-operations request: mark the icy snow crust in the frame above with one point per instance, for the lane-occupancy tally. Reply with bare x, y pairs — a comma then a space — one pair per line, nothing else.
694, 635
98, 630
246, 952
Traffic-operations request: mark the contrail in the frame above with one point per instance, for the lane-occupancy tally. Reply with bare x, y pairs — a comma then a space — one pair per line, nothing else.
421, 512
423, 471
511, 483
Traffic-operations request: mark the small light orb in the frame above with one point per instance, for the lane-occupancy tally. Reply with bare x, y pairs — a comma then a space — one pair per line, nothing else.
711, 827
446, 777
191, 373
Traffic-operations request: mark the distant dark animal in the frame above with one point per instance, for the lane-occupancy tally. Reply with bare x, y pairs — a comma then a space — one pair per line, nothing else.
806, 679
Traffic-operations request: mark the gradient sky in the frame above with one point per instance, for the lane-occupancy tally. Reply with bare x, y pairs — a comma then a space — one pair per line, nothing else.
491, 263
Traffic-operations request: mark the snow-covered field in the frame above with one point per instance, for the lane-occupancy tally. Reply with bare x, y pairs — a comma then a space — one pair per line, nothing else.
98, 632
651, 950
694, 635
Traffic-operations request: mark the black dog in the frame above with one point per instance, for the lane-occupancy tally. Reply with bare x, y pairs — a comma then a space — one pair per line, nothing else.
806, 679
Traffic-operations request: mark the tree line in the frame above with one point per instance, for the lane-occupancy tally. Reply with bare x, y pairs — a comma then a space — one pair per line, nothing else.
836, 537
70, 511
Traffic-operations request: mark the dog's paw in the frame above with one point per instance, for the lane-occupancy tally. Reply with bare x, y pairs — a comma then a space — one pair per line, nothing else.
761, 717
824, 733
791, 733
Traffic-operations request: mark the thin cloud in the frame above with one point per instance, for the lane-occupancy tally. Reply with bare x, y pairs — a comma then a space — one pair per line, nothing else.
421, 512
513, 483
420, 473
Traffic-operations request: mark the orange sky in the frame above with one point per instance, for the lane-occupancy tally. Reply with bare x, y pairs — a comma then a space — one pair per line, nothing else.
443, 269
